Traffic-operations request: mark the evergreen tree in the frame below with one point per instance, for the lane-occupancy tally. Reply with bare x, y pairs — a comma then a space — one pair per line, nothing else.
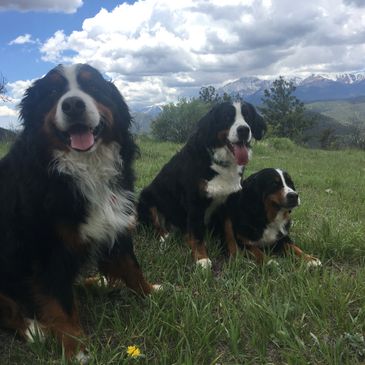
2, 88
283, 112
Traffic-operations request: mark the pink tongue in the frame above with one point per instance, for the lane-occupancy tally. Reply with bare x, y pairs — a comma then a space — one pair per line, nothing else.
240, 154
82, 140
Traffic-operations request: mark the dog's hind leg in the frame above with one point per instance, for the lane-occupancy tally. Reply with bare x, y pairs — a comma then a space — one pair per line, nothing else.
11, 316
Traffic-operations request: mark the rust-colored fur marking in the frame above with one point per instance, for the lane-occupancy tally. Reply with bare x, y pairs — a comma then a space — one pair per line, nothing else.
126, 269
229, 238
198, 249
66, 328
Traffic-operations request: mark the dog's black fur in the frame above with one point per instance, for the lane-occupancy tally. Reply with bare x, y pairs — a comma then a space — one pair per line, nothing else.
179, 195
43, 207
257, 217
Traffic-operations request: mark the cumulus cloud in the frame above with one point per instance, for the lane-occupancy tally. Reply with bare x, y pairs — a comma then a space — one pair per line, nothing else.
9, 108
5, 111
160, 49
59, 6
23, 39
8, 116
15, 90
359, 3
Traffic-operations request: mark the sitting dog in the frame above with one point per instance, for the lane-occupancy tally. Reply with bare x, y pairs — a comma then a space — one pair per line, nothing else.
258, 216
66, 200
202, 174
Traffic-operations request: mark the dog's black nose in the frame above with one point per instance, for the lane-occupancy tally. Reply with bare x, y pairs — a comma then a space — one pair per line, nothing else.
243, 133
73, 106
292, 199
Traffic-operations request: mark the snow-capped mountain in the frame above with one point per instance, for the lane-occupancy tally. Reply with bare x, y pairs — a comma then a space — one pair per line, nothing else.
246, 86
328, 86
315, 87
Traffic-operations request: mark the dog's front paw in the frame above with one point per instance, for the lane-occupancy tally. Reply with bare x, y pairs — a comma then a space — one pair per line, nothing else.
82, 358
156, 287
204, 263
313, 262
272, 263
34, 332
164, 237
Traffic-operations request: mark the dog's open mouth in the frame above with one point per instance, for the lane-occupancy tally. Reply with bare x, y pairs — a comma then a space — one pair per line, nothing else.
82, 138
240, 151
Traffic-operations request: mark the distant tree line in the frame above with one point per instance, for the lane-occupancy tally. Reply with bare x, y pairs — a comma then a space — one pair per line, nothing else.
177, 120
283, 112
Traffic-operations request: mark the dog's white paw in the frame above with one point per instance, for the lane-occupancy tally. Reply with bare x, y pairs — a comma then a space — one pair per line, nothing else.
314, 262
164, 237
157, 287
204, 263
82, 358
34, 332
97, 280
272, 262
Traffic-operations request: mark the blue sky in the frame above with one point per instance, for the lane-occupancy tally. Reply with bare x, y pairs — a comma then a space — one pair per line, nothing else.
156, 51
24, 61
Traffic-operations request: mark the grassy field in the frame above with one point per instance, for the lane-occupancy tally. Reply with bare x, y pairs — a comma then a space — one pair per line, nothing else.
240, 313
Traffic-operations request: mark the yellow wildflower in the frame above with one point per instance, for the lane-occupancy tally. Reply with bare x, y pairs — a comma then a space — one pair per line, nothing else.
133, 351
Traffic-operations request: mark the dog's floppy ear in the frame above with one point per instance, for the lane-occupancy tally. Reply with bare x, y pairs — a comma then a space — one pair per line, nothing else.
28, 103
205, 127
255, 120
124, 116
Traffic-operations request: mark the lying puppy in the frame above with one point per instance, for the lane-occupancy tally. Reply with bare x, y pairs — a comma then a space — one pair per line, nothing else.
258, 216
66, 200
200, 177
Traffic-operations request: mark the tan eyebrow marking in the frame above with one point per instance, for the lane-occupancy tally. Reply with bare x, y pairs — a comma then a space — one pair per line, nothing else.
85, 75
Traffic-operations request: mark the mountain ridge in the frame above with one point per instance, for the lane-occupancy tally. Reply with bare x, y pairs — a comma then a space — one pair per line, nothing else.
314, 87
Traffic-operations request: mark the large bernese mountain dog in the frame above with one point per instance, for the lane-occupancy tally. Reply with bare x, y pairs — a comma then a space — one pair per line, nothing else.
257, 218
66, 201
202, 174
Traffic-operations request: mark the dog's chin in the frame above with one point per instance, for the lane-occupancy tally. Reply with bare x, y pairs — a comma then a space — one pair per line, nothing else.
284, 206
81, 138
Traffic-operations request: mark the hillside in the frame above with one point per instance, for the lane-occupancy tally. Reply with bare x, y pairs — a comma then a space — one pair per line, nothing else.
347, 112
239, 313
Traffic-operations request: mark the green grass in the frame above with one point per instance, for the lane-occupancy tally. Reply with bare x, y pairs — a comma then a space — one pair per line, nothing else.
241, 313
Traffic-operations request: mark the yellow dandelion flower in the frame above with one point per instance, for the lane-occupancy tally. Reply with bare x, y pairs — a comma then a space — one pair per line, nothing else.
133, 351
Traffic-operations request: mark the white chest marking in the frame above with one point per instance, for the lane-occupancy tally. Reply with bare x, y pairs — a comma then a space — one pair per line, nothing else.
110, 208
271, 232
227, 180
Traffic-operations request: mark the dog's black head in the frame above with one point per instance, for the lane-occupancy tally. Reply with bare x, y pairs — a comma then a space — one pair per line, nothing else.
273, 188
232, 125
75, 108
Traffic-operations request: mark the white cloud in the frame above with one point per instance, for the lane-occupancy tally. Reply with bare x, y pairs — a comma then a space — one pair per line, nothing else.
8, 116
157, 50
22, 39
9, 109
5, 111
59, 6
15, 90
